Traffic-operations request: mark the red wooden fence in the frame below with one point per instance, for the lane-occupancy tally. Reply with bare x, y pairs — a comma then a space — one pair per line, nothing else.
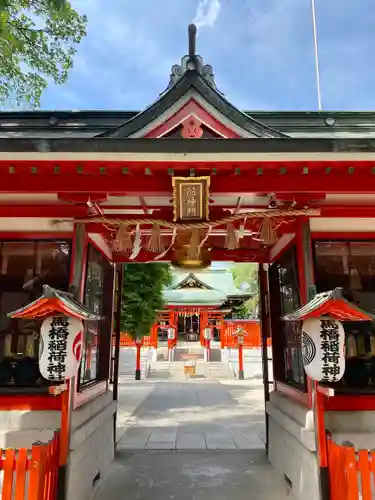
30, 474
351, 472
148, 341
252, 337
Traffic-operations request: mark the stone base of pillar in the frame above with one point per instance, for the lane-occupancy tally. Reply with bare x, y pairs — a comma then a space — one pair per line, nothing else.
241, 375
137, 374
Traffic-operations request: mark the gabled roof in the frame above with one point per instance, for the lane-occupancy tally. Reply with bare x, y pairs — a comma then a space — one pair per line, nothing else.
193, 79
90, 123
189, 281
194, 297
217, 286
329, 304
54, 302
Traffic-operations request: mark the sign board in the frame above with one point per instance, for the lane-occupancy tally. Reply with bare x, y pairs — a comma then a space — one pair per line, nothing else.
191, 198
171, 333
240, 339
240, 334
60, 347
323, 349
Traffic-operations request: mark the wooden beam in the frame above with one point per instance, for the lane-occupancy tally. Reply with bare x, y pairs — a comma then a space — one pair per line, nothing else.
218, 254
239, 203
143, 204
233, 178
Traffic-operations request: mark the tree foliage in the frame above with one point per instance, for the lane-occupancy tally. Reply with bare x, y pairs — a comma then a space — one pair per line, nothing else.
37, 44
246, 277
142, 296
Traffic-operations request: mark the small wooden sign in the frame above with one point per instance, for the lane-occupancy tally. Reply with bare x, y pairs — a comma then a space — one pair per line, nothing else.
191, 198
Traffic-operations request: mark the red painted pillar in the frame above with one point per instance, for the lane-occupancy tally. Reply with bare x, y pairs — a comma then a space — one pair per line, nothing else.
138, 345
241, 375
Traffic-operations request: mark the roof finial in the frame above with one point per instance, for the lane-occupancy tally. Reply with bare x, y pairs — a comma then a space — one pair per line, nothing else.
192, 62
192, 39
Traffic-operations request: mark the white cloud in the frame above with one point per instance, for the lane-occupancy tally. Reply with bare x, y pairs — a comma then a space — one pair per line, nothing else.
207, 13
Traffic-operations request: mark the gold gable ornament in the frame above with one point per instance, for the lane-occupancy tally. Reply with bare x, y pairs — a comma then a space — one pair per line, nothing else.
190, 199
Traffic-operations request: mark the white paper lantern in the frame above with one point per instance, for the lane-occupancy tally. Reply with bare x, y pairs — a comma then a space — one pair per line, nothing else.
171, 333
60, 347
323, 349
207, 333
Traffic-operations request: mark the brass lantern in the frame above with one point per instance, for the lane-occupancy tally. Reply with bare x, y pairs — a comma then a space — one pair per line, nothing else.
188, 254
182, 259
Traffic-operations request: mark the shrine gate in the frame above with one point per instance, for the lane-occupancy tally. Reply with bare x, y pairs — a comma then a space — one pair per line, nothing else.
189, 180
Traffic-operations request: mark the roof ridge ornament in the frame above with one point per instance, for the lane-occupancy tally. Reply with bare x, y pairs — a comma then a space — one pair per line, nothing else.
192, 34
191, 62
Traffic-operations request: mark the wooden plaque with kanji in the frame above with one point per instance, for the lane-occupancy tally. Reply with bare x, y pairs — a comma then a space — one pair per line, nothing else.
191, 198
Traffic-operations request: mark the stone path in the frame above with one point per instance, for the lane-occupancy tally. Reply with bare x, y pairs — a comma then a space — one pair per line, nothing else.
191, 415
191, 440
182, 475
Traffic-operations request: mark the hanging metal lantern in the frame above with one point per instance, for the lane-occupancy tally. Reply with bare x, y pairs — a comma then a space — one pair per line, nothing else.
183, 260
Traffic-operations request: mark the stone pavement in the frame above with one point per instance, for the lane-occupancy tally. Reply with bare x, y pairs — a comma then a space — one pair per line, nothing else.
183, 475
191, 415
191, 440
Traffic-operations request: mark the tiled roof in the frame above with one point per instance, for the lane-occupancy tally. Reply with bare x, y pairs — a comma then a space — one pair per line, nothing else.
219, 286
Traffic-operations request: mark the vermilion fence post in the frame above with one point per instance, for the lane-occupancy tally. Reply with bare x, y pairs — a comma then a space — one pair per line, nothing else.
21, 468
35, 472
364, 467
8, 464
372, 467
351, 472
38, 470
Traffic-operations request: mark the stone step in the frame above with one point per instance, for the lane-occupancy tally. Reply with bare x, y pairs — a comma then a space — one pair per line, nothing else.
175, 369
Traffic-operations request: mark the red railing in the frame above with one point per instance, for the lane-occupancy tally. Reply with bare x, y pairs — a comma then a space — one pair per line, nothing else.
30, 474
351, 472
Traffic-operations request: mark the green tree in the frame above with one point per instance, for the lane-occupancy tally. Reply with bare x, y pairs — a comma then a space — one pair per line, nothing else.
142, 296
246, 278
37, 44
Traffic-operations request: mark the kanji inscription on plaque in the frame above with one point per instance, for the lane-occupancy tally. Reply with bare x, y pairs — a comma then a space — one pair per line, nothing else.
191, 198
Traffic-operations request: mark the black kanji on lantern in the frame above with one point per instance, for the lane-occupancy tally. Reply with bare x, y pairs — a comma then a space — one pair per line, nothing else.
330, 345
58, 347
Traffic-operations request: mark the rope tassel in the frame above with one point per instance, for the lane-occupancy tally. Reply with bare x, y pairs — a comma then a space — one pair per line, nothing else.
124, 242
231, 240
155, 243
194, 244
267, 232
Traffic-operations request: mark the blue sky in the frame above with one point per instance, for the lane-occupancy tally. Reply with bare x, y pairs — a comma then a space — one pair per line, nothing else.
261, 52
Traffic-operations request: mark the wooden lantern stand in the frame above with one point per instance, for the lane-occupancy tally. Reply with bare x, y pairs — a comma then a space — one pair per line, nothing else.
138, 346
207, 343
240, 338
240, 343
171, 342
